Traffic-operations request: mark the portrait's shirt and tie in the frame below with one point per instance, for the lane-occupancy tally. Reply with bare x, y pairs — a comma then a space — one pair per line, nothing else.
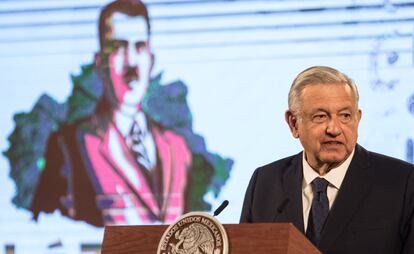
135, 130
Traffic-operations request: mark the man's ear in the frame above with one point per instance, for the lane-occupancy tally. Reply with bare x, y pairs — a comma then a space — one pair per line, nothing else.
152, 60
359, 115
98, 58
292, 121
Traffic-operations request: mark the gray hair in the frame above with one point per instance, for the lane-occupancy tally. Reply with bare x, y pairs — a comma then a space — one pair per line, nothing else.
317, 75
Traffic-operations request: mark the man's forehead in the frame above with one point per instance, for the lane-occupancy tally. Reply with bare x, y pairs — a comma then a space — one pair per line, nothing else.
327, 90
129, 28
322, 96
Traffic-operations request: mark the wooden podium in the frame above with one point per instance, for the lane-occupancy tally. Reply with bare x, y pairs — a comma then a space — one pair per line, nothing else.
258, 238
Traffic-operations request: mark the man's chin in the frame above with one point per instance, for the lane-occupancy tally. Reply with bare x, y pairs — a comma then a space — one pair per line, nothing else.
130, 104
333, 158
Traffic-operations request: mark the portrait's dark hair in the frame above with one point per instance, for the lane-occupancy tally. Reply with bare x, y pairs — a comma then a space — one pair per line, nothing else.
132, 8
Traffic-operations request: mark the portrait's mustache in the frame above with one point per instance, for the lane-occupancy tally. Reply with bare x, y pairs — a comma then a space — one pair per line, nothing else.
131, 74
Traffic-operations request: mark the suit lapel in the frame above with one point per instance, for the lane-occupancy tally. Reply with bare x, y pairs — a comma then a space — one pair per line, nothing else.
165, 165
292, 185
142, 188
354, 188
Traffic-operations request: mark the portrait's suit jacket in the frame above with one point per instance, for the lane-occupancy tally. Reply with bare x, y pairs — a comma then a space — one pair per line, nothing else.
373, 212
84, 180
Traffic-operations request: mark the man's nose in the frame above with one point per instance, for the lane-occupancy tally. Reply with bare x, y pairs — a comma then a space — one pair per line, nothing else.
132, 55
334, 127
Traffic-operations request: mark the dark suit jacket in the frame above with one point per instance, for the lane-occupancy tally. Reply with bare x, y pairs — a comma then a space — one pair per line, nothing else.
372, 214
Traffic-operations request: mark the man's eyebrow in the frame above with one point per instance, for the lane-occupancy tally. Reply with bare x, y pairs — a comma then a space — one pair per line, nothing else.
345, 108
119, 41
316, 110
141, 43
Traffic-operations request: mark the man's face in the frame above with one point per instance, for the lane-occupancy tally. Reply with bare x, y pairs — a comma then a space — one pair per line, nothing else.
327, 125
129, 58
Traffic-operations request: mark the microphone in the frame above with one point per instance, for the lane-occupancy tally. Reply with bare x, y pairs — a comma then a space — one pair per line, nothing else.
221, 208
281, 208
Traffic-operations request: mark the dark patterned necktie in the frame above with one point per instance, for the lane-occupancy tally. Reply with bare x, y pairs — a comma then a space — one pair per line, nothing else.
138, 149
319, 210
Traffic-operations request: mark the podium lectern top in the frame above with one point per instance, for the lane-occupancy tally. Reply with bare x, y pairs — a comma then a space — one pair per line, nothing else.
258, 238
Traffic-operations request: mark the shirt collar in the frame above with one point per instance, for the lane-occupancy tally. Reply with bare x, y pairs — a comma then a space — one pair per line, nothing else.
335, 176
124, 122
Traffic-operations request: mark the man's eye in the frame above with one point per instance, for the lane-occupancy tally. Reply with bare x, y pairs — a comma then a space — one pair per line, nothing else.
345, 116
141, 45
319, 118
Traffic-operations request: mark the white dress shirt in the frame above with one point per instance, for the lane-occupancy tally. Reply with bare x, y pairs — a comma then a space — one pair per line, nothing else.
335, 177
124, 122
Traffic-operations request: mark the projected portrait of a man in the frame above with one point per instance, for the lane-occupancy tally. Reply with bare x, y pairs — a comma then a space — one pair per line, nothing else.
123, 150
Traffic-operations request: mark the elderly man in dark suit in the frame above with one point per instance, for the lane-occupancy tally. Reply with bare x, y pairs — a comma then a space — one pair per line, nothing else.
344, 198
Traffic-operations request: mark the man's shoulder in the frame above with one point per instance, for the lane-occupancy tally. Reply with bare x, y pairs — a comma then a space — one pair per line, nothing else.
385, 161
168, 136
70, 134
387, 164
282, 165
